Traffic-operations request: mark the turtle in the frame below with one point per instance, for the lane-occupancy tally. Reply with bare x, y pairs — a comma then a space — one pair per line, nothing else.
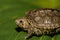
40, 22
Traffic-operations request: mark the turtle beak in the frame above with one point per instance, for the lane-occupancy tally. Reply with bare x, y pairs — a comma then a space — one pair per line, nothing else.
17, 22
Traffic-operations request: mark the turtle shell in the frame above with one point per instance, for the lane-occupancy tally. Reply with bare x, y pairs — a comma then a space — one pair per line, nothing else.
47, 19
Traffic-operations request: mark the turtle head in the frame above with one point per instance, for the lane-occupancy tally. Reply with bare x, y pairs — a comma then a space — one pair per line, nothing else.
22, 22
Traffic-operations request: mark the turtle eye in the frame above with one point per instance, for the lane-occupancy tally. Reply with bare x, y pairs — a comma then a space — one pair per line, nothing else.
21, 21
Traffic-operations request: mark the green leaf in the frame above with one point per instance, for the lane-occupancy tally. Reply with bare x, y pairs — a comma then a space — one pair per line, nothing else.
12, 9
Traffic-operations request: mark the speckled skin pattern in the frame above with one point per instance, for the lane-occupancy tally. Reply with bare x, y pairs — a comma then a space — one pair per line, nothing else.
40, 21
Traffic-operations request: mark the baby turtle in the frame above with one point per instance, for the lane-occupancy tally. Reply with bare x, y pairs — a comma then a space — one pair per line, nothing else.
40, 21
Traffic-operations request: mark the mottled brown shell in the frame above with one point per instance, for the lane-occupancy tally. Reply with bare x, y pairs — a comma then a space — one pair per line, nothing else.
47, 19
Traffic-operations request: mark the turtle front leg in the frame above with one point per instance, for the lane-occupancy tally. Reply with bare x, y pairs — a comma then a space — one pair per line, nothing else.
30, 33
